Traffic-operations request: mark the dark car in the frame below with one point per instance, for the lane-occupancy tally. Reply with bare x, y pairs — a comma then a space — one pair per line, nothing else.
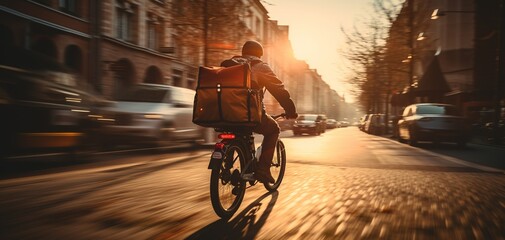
321, 118
44, 111
432, 122
285, 124
362, 121
331, 123
308, 123
375, 124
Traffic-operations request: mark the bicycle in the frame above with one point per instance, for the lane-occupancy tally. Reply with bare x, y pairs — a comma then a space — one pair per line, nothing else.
233, 163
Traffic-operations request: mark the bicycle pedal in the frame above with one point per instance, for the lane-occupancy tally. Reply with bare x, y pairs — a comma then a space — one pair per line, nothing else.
248, 177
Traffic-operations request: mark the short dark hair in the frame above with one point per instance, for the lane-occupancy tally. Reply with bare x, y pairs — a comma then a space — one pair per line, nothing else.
252, 48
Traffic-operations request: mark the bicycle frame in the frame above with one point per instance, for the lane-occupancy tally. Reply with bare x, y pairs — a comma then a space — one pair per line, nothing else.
246, 138
233, 164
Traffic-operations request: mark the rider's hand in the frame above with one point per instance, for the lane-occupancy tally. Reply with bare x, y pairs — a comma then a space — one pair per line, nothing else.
291, 115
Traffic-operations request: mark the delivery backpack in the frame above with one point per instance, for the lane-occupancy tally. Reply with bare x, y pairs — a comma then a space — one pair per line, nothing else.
225, 97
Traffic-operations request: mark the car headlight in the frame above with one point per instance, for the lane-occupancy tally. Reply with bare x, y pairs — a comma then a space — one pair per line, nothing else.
153, 116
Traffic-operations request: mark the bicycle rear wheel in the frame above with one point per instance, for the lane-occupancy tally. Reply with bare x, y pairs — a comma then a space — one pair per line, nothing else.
278, 167
227, 188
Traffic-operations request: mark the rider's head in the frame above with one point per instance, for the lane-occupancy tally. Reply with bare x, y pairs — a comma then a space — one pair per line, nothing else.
252, 48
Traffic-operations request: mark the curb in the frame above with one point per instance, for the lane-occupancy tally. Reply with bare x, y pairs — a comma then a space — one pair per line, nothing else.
449, 158
97, 169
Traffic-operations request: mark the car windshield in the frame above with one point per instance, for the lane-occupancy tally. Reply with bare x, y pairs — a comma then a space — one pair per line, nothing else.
437, 109
144, 95
308, 117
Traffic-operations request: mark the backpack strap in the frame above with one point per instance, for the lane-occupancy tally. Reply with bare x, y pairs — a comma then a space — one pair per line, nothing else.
254, 62
251, 64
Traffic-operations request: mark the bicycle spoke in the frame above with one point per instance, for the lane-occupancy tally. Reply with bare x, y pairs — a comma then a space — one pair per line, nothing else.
235, 159
227, 186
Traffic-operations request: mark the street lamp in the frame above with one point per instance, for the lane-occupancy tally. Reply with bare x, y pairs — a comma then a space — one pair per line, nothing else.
408, 59
439, 13
421, 36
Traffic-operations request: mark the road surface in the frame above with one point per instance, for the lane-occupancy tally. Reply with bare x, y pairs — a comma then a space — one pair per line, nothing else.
344, 184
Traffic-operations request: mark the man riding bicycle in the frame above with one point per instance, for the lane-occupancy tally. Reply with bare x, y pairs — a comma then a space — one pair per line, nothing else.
264, 77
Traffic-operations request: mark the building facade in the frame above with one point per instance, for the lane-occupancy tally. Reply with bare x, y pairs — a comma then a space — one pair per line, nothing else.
57, 29
113, 44
463, 39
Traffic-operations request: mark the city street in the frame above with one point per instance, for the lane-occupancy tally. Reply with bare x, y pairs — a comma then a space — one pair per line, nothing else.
343, 184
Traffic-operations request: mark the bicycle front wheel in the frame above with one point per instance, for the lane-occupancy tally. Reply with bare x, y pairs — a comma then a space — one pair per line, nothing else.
278, 167
227, 188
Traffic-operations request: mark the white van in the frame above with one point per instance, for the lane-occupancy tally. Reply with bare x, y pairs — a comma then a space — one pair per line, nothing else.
159, 114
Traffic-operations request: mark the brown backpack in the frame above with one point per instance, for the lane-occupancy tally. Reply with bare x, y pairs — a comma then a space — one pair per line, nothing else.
225, 98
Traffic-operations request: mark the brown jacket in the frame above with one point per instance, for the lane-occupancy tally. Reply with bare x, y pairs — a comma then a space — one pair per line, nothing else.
264, 77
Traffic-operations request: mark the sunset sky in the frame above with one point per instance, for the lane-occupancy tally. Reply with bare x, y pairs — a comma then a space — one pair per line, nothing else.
314, 31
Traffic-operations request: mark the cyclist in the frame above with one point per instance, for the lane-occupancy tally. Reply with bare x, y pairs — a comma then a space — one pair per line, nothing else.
263, 77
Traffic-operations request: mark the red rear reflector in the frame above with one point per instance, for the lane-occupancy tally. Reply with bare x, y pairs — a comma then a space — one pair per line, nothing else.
219, 146
226, 136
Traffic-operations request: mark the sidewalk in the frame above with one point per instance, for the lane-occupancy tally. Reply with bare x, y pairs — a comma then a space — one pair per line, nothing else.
480, 151
479, 140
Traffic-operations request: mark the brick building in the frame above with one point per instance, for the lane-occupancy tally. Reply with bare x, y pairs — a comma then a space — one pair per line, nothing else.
62, 30
112, 44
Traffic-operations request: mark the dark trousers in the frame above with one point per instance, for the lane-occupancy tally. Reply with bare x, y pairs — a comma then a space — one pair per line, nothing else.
270, 131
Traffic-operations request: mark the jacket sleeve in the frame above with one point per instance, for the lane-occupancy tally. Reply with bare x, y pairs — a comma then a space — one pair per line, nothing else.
266, 77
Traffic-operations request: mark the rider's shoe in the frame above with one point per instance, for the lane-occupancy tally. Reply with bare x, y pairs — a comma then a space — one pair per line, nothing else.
264, 176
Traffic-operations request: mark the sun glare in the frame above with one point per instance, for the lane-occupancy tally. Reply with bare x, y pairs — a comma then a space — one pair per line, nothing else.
314, 32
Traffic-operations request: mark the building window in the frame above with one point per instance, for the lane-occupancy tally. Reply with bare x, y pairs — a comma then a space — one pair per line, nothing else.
178, 7
258, 27
73, 58
151, 36
153, 75
68, 6
153, 32
179, 51
191, 81
177, 77
43, 2
124, 20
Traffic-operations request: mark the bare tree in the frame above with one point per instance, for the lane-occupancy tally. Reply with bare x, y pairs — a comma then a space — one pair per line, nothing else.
365, 48
386, 54
206, 32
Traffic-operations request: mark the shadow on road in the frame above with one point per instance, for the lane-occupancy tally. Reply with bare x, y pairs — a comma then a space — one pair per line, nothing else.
245, 225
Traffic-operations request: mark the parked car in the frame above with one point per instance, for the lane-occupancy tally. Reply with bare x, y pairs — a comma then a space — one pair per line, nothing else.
432, 122
285, 124
331, 123
375, 124
321, 118
45, 111
156, 114
362, 121
344, 123
308, 123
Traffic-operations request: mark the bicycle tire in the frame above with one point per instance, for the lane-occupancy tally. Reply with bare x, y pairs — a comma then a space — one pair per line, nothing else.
227, 189
278, 167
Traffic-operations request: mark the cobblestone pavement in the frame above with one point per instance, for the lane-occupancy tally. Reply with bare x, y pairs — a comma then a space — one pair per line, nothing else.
400, 194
